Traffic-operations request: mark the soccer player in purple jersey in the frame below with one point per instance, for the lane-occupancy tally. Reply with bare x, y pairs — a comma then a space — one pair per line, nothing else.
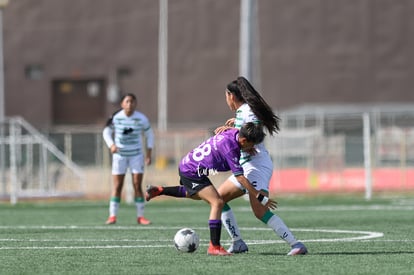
217, 154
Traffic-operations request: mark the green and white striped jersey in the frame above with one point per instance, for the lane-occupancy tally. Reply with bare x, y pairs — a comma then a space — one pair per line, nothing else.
126, 133
243, 115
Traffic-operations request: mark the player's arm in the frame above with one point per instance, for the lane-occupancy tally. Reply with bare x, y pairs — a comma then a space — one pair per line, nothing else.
150, 138
264, 200
108, 137
148, 156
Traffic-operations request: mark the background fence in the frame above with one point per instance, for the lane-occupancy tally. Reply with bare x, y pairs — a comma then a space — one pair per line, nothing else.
345, 148
319, 149
32, 166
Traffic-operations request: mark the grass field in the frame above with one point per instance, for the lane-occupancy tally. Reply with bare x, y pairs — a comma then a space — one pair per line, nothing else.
344, 235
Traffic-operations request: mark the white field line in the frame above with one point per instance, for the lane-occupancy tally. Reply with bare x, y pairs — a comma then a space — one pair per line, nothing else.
283, 208
363, 236
335, 208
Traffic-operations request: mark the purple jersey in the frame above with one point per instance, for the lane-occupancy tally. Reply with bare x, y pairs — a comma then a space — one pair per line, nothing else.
217, 154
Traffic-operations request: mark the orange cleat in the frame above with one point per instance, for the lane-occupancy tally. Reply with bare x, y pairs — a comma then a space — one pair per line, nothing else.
152, 192
217, 250
111, 220
143, 221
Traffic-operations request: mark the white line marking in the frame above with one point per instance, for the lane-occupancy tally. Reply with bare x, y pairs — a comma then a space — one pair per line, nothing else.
334, 208
363, 236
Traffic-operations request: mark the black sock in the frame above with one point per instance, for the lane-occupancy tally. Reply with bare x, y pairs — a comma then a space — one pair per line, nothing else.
174, 191
215, 231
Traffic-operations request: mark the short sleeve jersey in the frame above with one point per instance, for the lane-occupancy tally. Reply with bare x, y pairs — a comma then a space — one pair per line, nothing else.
127, 132
217, 154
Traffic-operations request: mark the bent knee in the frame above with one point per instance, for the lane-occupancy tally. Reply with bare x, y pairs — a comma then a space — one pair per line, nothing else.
218, 203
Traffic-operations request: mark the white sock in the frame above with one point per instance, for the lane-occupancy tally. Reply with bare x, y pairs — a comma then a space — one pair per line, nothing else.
140, 206
230, 223
113, 208
281, 229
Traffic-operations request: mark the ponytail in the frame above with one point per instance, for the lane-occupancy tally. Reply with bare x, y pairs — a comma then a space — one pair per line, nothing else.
258, 105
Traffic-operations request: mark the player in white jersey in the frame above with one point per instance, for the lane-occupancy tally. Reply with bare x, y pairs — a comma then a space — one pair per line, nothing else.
123, 135
249, 106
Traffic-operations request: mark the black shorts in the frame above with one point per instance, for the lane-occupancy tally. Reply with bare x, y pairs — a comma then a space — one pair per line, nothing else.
193, 186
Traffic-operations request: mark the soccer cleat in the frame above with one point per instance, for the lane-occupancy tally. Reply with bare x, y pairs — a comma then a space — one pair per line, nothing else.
298, 249
238, 246
152, 192
111, 220
217, 250
143, 221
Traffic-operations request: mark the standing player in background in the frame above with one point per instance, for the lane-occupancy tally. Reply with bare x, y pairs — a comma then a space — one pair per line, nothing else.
249, 106
123, 135
218, 153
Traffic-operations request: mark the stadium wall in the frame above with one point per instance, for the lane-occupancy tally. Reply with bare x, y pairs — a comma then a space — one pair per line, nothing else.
314, 51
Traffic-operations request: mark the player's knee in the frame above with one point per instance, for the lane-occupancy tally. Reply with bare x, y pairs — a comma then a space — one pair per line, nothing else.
219, 203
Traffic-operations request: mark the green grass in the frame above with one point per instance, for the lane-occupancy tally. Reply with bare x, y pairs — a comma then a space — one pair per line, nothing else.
339, 231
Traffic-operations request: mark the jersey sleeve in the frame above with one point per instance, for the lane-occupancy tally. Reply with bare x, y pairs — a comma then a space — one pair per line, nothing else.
233, 160
108, 131
108, 135
149, 133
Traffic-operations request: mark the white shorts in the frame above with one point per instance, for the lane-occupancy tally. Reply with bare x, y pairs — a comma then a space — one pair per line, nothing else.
258, 171
120, 164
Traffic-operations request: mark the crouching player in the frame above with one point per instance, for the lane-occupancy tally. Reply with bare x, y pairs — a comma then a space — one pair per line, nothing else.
217, 154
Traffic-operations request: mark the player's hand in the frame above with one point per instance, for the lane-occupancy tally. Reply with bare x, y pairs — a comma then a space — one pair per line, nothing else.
271, 204
266, 201
228, 125
148, 160
114, 149
221, 129
230, 122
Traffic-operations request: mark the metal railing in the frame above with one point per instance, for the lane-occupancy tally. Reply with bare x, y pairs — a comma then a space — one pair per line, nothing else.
32, 166
363, 150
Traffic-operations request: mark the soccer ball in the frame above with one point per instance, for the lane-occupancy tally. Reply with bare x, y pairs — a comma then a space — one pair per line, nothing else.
186, 240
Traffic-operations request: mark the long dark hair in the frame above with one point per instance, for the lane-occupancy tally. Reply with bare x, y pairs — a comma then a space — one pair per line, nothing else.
245, 92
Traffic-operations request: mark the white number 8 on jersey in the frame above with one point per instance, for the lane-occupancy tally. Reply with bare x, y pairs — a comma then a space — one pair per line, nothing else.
202, 151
